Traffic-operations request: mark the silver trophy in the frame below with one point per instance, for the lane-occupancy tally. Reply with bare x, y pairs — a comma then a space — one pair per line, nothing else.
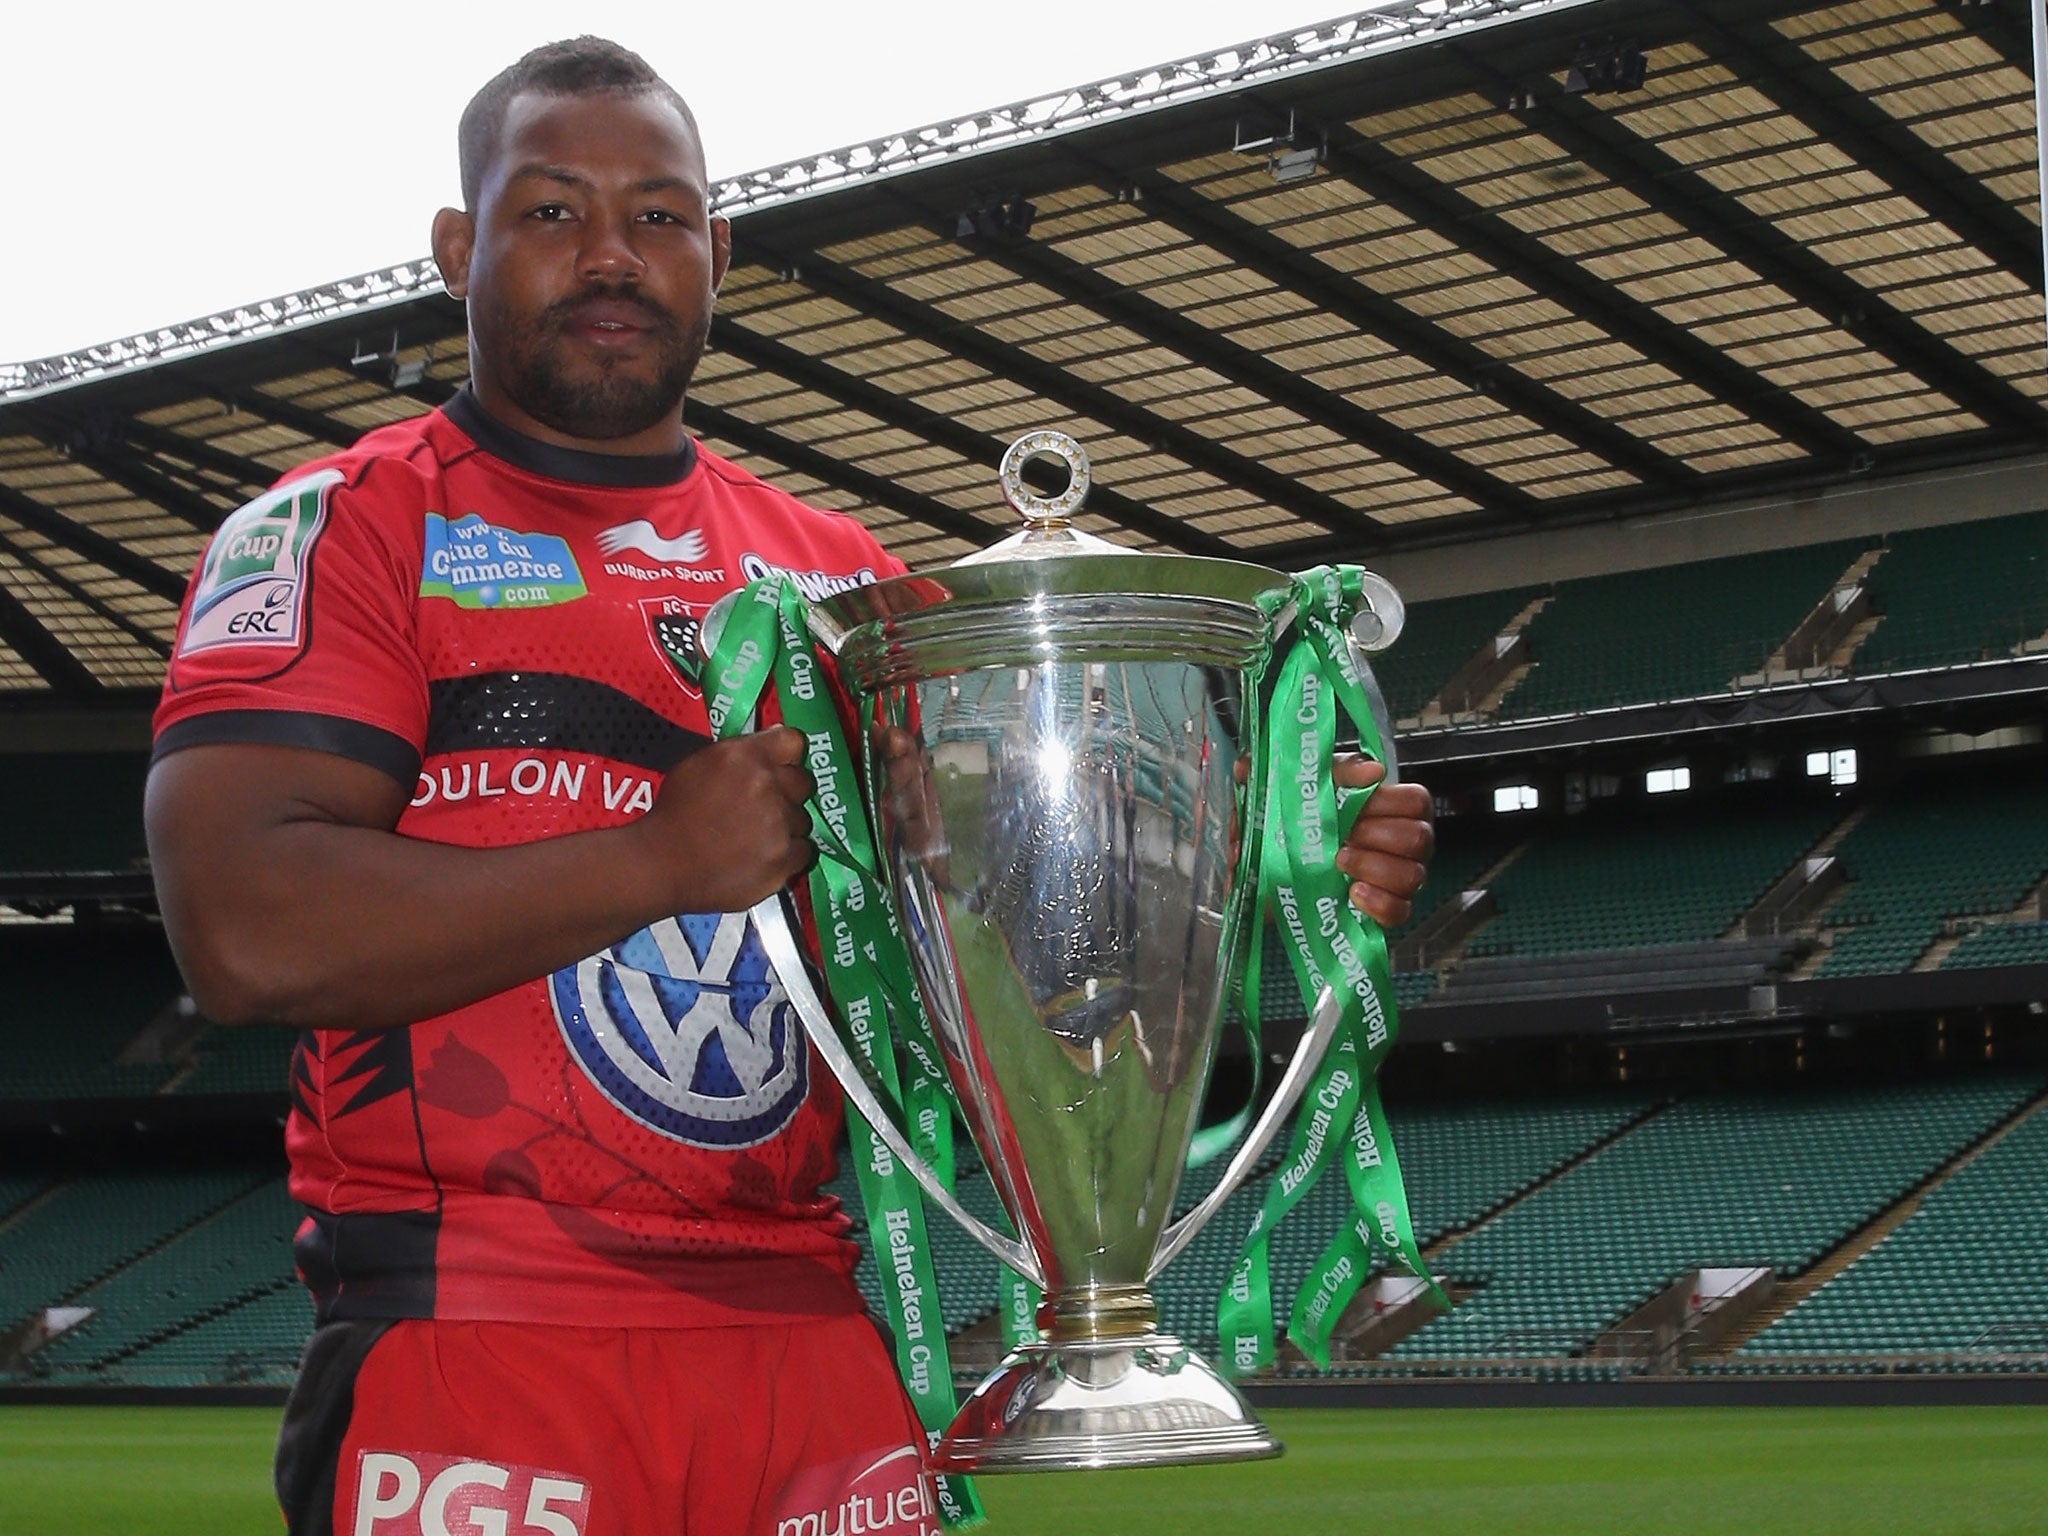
1054, 795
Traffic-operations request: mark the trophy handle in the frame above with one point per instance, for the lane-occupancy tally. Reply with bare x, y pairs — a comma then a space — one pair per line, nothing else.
779, 941
1286, 1094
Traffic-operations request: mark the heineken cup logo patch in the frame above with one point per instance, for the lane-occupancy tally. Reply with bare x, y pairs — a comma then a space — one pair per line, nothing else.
252, 585
477, 564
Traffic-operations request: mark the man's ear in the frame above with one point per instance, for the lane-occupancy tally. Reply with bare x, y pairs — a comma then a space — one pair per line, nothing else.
454, 239
721, 251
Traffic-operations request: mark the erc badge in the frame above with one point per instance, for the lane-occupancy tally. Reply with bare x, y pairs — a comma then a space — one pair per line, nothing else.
686, 1029
252, 585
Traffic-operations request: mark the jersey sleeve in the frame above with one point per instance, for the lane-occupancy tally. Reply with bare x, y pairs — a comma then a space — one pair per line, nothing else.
299, 627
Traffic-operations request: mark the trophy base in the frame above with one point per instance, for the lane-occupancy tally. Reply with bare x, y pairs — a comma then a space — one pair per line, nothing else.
1148, 1401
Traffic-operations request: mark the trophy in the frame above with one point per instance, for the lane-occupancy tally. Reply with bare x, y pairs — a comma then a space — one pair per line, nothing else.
1054, 729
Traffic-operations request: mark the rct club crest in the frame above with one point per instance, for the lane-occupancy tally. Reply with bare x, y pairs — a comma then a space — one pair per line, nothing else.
687, 1030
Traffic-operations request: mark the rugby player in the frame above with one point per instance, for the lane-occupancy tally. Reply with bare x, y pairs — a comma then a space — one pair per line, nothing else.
430, 786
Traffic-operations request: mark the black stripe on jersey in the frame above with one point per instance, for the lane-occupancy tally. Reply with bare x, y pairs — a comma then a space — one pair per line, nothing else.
552, 709
550, 461
368, 744
368, 1263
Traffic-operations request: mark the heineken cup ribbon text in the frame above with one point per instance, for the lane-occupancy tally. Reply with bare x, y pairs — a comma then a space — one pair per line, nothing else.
1298, 821
867, 971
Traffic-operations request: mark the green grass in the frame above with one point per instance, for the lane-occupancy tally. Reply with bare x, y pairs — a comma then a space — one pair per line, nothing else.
1572, 1472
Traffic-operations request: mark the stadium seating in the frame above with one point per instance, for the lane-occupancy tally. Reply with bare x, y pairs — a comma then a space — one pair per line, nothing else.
88, 1227
17, 1189
1459, 1162
2000, 944
1638, 637
1680, 877
76, 997
247, 1059
1921, 857
239, 1252
256, 1343
1439, 637
71, 812
1720, 1180
1962, 593
1965, 1275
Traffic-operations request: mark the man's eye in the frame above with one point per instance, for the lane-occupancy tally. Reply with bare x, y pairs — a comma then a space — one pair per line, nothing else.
660, 216
551, 212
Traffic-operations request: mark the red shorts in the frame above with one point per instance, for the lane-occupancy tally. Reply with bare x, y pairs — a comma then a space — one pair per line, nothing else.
426, 1428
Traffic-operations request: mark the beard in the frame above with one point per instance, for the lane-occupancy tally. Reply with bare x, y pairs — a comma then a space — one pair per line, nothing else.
597, 399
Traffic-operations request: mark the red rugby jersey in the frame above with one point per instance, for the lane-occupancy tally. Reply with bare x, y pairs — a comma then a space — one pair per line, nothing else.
638, 1138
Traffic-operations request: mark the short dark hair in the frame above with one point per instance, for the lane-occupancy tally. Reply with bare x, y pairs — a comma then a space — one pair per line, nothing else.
579, 66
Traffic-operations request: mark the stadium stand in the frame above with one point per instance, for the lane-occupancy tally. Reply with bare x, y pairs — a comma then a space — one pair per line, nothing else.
1923, 856
1957, 594
1438, 638
1679, 877
240, 1252
247, 1059
76, 998
256, 1343
1461, 1162
2000, 944
17, 1189
1727, 1179
86, 1228
1716, 620
71, 812
1964, 1277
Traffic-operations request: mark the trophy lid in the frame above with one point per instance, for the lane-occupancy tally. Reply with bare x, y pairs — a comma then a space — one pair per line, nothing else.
1054, 592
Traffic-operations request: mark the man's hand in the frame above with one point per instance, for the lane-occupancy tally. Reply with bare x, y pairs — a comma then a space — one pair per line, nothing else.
729, 826
1387, 854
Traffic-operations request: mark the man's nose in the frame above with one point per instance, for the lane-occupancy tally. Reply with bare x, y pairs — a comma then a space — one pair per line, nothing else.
609, 250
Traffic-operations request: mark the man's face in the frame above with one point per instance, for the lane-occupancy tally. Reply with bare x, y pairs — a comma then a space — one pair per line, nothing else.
594, 263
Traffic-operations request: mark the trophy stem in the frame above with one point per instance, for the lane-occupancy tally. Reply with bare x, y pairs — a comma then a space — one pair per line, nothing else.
1101, 1387
1095, 1313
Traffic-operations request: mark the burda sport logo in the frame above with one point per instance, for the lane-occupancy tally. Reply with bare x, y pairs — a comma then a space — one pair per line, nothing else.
252, 584
477, 564
686, 1029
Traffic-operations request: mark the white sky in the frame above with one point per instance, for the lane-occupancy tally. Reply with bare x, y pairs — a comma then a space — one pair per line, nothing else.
185, 158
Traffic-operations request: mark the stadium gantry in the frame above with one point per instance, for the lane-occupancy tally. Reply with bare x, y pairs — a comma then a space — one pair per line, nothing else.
1683, 362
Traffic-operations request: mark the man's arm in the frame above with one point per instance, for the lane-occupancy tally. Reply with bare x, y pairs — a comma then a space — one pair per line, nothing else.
289, 898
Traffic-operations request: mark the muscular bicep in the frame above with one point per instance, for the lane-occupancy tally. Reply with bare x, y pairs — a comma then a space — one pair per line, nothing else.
236, 872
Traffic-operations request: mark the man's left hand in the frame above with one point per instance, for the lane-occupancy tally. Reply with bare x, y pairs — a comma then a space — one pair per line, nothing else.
1387, 854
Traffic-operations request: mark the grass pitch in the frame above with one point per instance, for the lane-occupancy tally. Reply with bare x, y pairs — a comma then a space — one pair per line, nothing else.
1429, 1472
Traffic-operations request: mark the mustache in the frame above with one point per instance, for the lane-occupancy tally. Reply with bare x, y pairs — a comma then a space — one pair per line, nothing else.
564, 311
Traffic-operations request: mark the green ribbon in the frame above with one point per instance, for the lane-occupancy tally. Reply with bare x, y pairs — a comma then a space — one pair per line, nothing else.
1301, 822
867, 971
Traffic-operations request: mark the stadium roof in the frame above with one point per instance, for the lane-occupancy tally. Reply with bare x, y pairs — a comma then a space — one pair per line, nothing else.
1428, 273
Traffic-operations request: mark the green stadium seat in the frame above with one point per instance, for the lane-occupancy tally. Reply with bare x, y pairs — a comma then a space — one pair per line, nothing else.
1923, 857
1679, 632
1964, 1278
1960, 593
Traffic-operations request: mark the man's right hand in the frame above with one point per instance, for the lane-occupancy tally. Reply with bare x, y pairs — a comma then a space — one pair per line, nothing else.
729, 827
